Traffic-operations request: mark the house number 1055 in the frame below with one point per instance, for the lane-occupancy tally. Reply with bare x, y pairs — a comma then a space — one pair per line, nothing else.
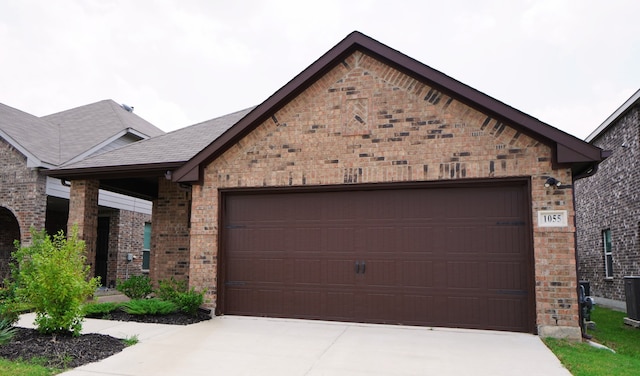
552, 218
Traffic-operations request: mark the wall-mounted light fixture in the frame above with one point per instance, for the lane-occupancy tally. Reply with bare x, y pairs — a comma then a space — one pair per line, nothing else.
552, 182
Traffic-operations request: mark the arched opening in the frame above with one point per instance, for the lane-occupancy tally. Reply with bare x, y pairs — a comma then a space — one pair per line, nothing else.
9, 233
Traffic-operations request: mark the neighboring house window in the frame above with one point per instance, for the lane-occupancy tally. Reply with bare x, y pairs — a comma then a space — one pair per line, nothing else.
147, 246
608, 258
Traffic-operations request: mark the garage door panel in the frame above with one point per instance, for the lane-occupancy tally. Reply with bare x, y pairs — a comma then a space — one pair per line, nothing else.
237, 269
434, 256
240, 300
505, 239
471, 242
415, 238
417, 309
340, 272
338, 239
417, 273
271, 301
307, 303
379, 308
307, 239
241, 239
506, 276
504, 314
381, 273
467, 311
379, 239
340, 305
308, 271
466, 275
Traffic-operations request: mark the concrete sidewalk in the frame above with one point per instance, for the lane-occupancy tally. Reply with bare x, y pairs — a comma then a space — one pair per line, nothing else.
231, 345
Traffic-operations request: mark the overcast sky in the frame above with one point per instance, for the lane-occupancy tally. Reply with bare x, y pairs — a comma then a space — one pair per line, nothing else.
569, 63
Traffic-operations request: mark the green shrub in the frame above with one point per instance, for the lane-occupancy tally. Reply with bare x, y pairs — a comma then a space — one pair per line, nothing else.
187, 301
9, 312
136, 287
7, 331
149, 307
52, 274
99, 309
169, 289
5, 294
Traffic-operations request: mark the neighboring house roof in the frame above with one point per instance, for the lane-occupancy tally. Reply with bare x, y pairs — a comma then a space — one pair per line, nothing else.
617, 114
569, 150
73, 134
168, 149
142, 162
35, 138
86, 129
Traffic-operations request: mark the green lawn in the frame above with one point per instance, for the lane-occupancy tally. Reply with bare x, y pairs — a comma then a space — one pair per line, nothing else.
9, 368
584, 360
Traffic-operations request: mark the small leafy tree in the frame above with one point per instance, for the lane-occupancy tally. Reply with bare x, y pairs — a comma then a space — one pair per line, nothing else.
53, 275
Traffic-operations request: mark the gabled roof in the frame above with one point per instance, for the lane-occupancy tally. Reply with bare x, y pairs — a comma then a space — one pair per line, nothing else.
90, 127
570, 151
615, 116
35, 138
185, 152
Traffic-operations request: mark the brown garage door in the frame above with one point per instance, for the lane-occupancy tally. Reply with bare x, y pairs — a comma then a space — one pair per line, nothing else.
454, 256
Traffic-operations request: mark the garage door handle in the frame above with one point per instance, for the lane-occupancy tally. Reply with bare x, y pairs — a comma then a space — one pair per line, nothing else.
364, 267
357, 267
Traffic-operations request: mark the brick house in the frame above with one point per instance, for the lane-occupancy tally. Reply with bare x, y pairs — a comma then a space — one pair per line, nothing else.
608, 208
30, 145
370, 188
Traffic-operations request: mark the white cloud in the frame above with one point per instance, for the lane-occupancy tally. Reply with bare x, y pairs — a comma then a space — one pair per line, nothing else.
181, 62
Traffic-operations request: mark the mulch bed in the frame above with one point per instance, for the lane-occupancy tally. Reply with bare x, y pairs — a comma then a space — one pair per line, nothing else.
66, 351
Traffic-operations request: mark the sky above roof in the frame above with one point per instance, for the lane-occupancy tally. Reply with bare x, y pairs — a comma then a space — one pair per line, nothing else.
569, 63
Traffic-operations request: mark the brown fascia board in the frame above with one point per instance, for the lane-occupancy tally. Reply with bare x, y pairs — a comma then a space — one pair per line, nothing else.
114, 172
571, 148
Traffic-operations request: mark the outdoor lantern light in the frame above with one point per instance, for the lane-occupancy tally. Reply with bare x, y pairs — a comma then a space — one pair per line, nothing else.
552, 182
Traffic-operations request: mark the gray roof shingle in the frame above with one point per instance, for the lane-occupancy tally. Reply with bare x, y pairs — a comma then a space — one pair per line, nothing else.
57, 138
86, 127
177, 146
36, 136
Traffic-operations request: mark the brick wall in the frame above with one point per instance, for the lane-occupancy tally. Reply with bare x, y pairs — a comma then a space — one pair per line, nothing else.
22, 201
83, 213
611, 200
130, 239
126, 235
170, 232
364, 122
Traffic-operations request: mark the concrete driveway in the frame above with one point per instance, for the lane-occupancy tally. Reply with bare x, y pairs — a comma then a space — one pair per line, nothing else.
231, 345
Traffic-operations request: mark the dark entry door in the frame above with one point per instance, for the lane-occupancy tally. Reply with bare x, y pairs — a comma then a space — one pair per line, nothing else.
455, 256
102, 249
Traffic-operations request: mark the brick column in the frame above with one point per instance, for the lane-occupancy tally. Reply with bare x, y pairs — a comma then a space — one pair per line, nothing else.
170, 232
83, 212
